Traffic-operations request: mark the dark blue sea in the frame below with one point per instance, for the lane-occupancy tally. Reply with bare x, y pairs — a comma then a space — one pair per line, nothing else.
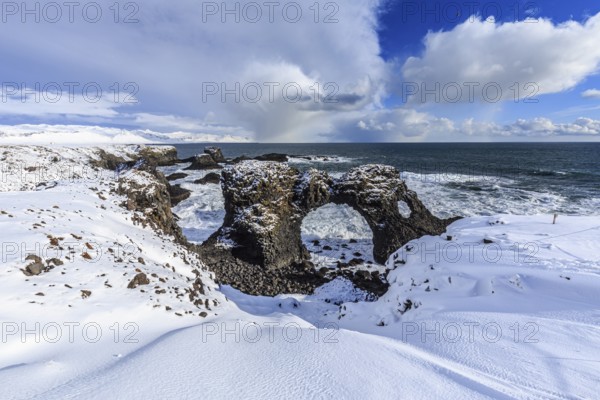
463, 178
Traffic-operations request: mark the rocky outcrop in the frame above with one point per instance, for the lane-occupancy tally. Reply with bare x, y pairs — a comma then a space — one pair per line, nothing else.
258, 249
203, 161
277, 157
215, 153
211, 177
148, 192
160, 156
374, 191
150, 156
110, 161
261, 214
210, 159
176, 176
178, 194
239, 159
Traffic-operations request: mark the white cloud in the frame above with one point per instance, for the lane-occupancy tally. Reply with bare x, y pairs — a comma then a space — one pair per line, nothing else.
172, 54
176, 49
57, 101
549, 58
403, 124
591, 94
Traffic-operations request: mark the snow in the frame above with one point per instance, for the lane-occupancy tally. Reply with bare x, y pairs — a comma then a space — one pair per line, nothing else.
315, 159
85, 135
515, 318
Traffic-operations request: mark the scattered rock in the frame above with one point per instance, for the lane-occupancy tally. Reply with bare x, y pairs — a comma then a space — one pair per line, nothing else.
176, 176
85, 294
35, 268
211, 177
240, 159
275, 157
54, 262
178, 194
203, 161
215, 153
356, 261
34, 258
139, 279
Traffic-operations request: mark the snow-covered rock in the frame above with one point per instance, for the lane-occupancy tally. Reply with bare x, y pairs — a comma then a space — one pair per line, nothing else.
259, 247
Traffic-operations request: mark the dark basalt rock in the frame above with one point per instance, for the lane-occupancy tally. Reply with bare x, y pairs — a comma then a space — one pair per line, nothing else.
203, 161
178, 194
259, 250
277, 157
254, 279
152, 200
161, 156
34, 268
261, 216
239, 159
215, 153
138, 280
176, 176
211, 177
148, 196
374, 191
109, 161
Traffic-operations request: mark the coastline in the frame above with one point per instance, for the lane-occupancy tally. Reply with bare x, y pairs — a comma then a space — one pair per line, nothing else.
552, 286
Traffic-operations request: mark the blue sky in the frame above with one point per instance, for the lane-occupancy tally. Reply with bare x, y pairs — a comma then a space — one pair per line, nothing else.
375, 70
403, 24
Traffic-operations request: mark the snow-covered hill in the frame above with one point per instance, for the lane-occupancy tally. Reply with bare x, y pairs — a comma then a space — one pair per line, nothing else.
79, 134
497, 307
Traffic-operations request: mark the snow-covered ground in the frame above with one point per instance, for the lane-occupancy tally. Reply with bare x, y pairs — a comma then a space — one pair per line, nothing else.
500, 306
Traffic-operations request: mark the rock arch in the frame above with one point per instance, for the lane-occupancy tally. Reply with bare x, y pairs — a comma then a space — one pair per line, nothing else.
265, 203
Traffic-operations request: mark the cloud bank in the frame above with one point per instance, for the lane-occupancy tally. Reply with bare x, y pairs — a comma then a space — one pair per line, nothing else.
289, 73
492, 61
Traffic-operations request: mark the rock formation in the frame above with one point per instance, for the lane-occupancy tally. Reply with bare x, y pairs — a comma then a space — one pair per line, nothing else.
178, 194
160, 156
374, 191
203, 161
259, 247
215, 153
146, 189
211, 177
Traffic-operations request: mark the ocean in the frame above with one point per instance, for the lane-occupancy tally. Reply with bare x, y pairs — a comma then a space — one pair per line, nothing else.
463, 178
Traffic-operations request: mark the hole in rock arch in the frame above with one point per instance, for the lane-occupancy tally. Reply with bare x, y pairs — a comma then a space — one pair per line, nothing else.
338, 234
405, 211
